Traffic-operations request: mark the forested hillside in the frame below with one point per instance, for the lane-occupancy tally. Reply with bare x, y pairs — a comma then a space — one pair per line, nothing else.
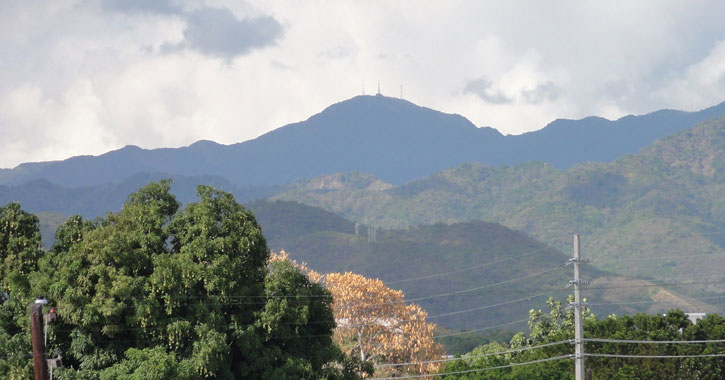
656, 206
490, 263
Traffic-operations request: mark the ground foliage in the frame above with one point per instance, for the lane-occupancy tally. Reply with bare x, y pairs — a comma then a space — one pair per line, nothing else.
557, 325
155, 291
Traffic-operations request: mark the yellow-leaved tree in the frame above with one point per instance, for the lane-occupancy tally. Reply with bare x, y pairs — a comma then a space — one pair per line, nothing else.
375, 323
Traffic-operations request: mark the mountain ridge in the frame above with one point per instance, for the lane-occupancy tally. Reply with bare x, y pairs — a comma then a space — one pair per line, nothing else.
665, 201
393, 139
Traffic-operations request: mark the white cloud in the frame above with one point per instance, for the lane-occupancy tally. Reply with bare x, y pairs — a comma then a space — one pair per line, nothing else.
700, 82
104, 74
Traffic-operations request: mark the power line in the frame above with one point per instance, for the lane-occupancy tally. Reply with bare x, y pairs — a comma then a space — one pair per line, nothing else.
481, 329
475, 370
668, 279
657, 285
466, 269
602, 340
465, 310
477, 355
464, 291
458, 292
714, 255
490, 306
655, 356
646, 302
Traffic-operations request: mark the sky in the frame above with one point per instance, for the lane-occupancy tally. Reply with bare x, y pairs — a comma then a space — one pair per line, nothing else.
89, 76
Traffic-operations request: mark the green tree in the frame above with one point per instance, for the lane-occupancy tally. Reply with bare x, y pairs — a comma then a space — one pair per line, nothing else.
557, 325
154, 291
20, 249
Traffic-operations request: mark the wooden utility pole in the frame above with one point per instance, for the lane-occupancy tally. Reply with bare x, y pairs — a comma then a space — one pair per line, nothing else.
578, 327
40, 366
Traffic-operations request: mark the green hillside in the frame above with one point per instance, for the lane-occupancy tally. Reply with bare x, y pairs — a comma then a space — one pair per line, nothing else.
437, 265
443, 259
638, 215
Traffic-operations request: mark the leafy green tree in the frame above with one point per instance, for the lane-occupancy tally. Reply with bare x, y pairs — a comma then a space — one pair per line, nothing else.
157, 292
20, 249
557, 325
295, 327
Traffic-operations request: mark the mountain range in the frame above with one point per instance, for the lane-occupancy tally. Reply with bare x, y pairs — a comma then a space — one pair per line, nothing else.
645, 192
641, 215
392, 139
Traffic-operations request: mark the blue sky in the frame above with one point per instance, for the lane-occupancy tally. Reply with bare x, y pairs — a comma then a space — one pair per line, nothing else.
88, 76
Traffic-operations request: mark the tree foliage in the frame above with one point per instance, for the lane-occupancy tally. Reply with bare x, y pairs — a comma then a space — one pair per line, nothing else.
557, 325
376, 325
20, 250
155, 291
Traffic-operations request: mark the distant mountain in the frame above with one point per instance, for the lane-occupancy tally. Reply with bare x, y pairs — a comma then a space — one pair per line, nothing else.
392, 139
41, 195
637, 215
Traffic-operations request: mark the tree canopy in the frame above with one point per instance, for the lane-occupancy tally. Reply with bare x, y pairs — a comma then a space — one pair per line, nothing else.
156, 292
557, 326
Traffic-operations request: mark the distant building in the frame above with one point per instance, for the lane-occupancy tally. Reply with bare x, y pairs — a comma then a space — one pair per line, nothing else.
693, 317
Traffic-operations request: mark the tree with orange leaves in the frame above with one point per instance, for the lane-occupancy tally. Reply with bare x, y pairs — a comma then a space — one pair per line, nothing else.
375, 323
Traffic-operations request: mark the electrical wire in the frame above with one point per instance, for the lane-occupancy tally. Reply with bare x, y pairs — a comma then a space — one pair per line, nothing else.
631, 341
475, 370
648, 302
650, 280
655, 356
469, 290
655, 285
466, 269
465, 310
713, 255
490, 306
481, 329
478, 355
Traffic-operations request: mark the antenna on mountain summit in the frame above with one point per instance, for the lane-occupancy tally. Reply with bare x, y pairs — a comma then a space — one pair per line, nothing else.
363, 88
401, 91
378, 89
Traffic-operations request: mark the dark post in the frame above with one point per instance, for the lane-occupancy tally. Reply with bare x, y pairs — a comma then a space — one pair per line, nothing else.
40, 366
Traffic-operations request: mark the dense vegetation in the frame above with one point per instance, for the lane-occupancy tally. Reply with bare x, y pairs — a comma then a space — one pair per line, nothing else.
665, 201
556, 325
470, 254
155, 291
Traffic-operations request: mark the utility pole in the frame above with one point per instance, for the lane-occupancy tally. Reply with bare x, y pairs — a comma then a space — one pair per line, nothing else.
40, 366
578, 306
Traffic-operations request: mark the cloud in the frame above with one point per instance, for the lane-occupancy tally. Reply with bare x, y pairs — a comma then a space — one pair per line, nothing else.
217, 32
211, 31
547, 91
142, 6
492, 93
484, 89
239, 68
701, 83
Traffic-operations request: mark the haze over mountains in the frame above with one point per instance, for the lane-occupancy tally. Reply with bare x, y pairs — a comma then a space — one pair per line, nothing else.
392, 139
